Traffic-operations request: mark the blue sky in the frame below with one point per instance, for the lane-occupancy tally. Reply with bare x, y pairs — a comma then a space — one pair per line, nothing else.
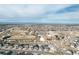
40, 13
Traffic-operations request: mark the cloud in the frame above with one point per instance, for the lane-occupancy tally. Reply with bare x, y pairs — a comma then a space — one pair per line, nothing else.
16, 11
52, 13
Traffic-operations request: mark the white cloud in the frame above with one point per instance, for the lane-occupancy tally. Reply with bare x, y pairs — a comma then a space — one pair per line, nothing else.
31, 11
15, 11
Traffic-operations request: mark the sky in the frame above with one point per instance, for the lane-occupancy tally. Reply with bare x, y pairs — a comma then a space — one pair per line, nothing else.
39, 13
